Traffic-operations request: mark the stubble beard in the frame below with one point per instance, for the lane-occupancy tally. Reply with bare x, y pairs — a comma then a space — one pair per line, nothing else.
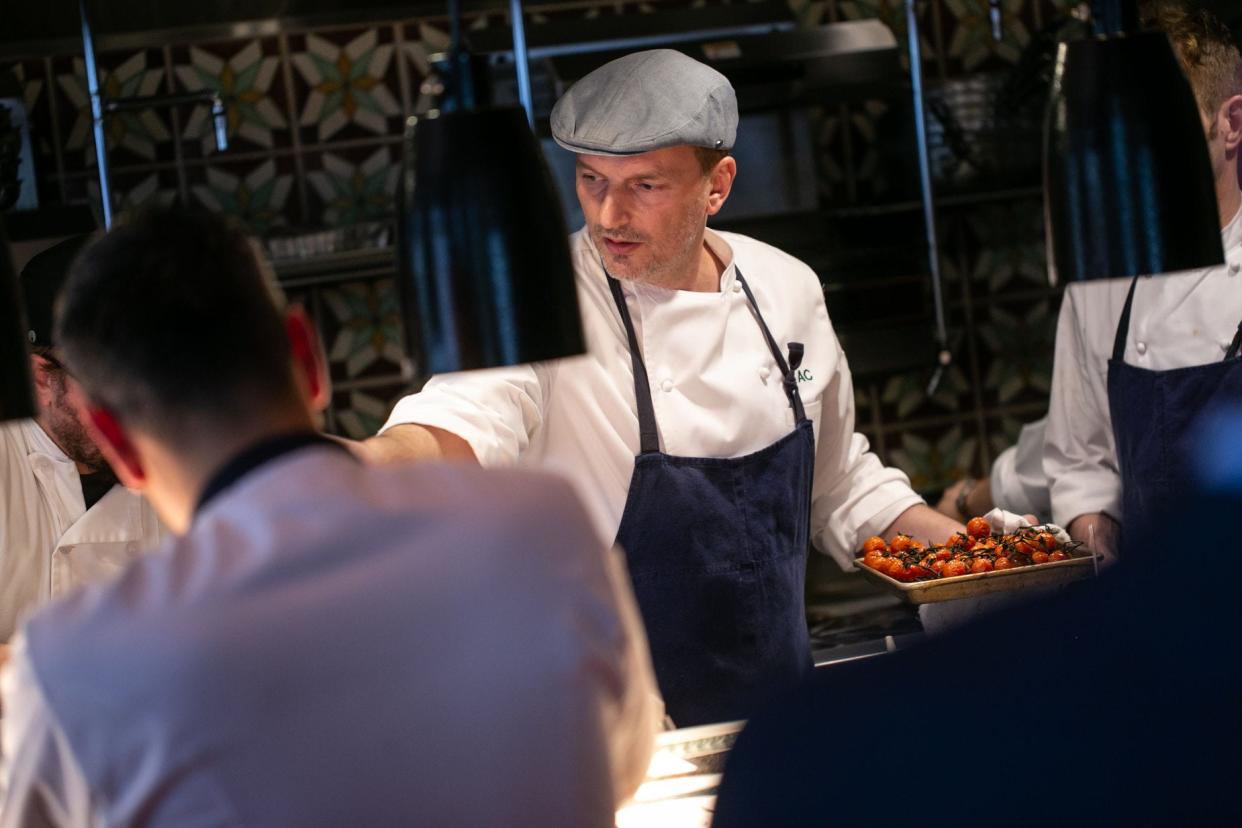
670, 268
67, 431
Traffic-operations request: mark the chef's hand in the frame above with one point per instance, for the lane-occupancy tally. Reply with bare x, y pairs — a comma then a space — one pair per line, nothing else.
1099, 532
973, 493
4, 654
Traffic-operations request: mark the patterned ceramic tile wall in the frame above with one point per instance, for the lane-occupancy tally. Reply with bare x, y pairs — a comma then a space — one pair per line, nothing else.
314, 120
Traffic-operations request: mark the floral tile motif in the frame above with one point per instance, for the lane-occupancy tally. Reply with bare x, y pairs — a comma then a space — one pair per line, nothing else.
132, 136
247, 79
258, 196
368, 339
29, 76
348, 84
892, 13
421, 41
130, 190
1012, 246
360, 414
1003, 433
350, 192
972, 42
934, 462
1021, 342
905, 394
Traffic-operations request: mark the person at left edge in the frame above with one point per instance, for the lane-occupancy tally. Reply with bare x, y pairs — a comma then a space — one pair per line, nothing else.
64, 519
710, 428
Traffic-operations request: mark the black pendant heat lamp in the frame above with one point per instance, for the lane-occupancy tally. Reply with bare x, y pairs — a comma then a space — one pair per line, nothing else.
1127, 182
16, 394
485, 273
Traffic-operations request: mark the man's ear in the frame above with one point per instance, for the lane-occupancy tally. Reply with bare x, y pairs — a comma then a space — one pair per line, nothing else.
43, 372
308, 358
721, 184
1229, 118
115, 444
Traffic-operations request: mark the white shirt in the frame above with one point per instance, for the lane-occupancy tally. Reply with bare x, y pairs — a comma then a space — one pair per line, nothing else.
335, 644
1018, 482
1176, 321
715, 388
50, 542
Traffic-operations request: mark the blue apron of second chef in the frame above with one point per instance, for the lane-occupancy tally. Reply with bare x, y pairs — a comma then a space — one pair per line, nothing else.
1154, 414
716, 549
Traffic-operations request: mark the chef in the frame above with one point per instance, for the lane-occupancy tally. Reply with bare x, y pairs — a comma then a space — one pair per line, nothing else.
1138, 360
710, 428
64, 520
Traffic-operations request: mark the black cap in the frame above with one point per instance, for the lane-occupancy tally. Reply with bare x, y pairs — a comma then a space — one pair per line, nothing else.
41, 280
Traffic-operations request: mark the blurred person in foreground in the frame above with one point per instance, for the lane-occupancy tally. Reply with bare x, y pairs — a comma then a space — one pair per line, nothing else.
326, 643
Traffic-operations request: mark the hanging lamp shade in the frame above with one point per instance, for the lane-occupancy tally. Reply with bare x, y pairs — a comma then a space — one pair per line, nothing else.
485, 272
16, 394
1127, 182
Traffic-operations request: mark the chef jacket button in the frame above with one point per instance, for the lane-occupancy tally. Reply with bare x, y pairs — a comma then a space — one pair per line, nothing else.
737, 286
1224, 346
765, 372
667, 385
1141, 348
1234, 267
66, 549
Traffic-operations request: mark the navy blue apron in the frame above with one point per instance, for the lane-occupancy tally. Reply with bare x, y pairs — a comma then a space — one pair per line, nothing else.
1154, 413
716, 549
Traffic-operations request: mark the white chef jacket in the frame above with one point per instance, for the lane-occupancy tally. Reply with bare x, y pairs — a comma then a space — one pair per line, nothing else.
715, 388
50, 542
334, 644
1177, 321
1018, 482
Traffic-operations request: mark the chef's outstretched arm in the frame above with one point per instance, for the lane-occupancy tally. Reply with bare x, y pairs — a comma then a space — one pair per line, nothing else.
411, 442
923, 523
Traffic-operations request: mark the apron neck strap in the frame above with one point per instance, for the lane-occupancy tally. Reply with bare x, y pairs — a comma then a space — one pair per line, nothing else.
788, 369
1123, 325
649, 437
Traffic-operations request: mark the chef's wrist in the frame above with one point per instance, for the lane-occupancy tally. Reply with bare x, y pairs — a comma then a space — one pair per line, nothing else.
962, 504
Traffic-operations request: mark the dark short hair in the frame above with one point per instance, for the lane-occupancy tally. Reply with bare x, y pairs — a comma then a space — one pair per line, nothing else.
1204, 46
708, 158
171, 318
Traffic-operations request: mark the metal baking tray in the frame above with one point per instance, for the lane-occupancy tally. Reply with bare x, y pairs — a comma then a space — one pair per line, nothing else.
1081, 566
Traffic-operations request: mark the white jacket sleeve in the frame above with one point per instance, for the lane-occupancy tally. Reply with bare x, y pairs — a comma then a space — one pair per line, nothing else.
40, 781
496, 411
1079, 456
854, 495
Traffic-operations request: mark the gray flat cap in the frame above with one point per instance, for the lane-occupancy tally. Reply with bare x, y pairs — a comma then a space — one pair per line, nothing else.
647, 101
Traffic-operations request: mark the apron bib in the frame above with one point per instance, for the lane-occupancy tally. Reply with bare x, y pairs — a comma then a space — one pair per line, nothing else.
716, 550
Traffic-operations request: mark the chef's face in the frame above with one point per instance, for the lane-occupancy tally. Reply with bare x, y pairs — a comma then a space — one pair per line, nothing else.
61, 407
646, 213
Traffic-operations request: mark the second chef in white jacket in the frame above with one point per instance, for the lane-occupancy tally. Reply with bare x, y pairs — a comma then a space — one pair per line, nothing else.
64, 519
1178, 323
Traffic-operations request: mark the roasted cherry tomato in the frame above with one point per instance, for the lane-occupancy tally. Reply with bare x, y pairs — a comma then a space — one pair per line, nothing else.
954, 568
874, 544
1039, 557
977, 527
1003, 563
901, 543
981, 565
1057, 556
1048, 541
